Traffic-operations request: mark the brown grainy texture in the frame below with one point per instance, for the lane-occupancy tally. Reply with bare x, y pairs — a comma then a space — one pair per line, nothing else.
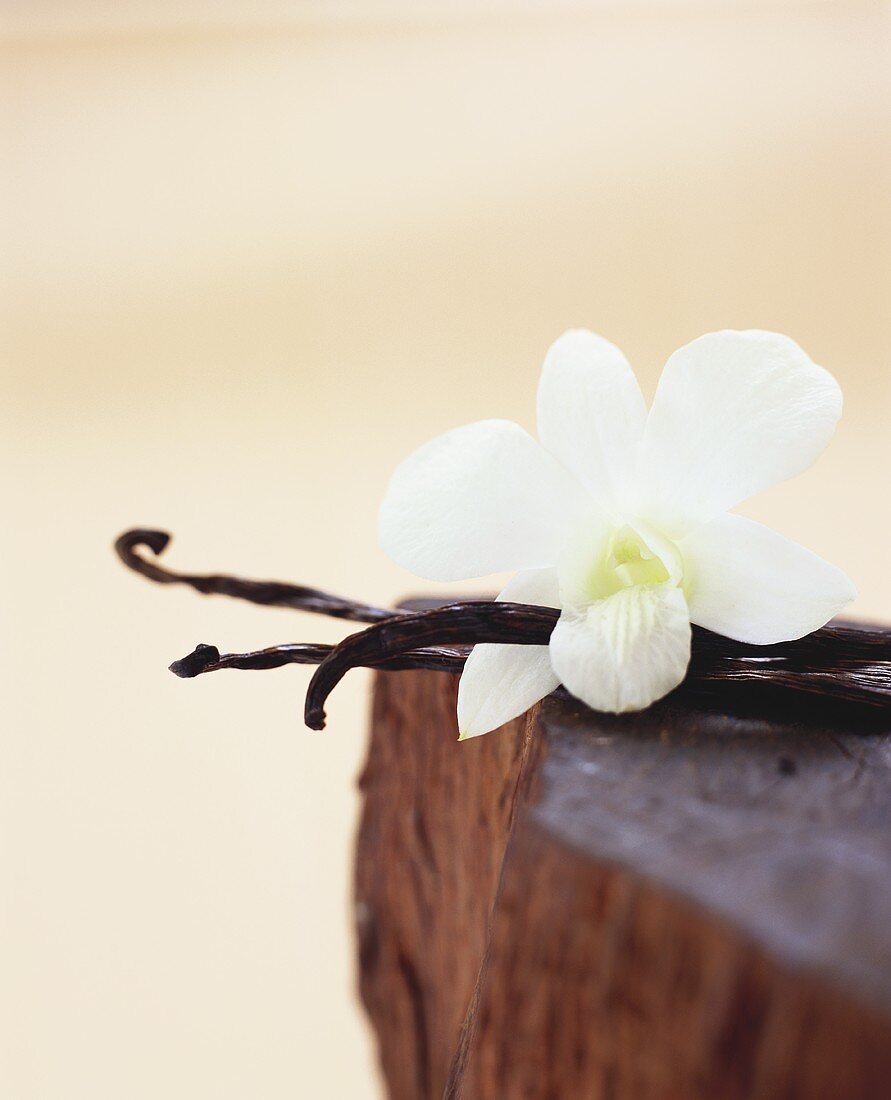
434, 827
692, 904
601, 986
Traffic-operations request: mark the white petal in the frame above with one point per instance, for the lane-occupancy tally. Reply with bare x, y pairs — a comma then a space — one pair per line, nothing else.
500, 682
591, 413
535, 586
750, 583
481, 499
626, 651
734, 413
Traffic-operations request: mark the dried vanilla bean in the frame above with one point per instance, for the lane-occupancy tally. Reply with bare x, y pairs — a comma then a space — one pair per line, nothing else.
207, 658
459, 623
839, 663
842, 662
268, 593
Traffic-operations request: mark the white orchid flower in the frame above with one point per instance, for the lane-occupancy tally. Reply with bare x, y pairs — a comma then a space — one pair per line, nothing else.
619, 518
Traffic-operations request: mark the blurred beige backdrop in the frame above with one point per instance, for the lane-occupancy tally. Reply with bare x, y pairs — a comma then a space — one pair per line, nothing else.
251, 257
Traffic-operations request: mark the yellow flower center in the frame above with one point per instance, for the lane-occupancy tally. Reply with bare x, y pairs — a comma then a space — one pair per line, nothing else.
627, 559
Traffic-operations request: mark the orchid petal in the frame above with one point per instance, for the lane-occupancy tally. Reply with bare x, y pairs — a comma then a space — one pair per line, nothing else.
481, 499
626, 651
734, 413
591, 413
750, 583
501, 682
536, 586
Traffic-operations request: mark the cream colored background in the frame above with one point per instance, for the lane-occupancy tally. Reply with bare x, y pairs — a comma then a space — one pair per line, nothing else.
253, 255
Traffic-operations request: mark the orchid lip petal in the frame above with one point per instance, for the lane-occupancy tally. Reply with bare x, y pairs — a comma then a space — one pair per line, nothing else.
624, 652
